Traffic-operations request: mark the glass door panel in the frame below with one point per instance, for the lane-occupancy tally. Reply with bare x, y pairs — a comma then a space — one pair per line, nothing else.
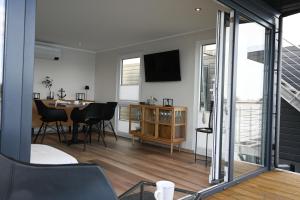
225, 103
208, 76
249, 100
220, 109
240, 97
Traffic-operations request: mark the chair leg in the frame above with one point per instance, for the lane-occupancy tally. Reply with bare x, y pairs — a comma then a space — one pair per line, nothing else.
58, 132
38, 133
63, 132
196, 146
102, 137
90, 135
99, 127
86, 134
113, 130
103, 128
206, 149
44, 134
83, 128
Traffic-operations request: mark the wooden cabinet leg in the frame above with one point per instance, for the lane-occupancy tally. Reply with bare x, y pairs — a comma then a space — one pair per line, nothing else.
171, 150
132, 139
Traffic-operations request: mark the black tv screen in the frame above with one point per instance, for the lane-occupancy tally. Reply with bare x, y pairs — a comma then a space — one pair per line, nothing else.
164, 66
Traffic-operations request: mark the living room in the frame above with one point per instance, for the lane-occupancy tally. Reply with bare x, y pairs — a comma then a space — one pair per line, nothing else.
70, 135
90, 63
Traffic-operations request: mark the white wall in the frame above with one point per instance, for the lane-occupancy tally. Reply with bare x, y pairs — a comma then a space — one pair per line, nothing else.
183, 92
74, 70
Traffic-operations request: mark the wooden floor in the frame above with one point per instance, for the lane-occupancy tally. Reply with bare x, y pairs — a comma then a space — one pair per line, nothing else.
241, 168
126, 164
275, 185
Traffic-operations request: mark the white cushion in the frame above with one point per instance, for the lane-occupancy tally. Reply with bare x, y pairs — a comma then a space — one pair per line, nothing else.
44, 154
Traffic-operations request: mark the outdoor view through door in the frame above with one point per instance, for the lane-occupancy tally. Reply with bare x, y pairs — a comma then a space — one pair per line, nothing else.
207, 76
250, 98
240, 98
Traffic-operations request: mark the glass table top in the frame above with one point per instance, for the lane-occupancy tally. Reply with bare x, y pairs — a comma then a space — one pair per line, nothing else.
145, 191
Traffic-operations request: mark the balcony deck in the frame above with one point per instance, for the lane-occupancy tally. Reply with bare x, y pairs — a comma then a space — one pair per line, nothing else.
274, 185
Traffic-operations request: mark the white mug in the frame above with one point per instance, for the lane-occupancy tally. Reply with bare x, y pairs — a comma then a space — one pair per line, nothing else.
164, 190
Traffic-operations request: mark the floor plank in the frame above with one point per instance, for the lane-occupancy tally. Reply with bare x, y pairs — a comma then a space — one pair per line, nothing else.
274, 185
126, 164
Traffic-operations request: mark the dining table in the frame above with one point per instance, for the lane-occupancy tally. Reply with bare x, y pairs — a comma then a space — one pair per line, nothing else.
68, 106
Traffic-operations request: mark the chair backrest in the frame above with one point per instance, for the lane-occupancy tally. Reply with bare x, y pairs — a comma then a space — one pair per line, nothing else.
211, 115
50, 114
80, 115
34, 182
91, 111
110, 110
41, 107
94, 111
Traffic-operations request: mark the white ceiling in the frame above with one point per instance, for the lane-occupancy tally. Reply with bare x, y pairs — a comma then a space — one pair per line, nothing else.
99, 25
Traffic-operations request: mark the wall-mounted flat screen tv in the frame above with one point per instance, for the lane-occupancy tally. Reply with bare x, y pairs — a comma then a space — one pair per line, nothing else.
164, 66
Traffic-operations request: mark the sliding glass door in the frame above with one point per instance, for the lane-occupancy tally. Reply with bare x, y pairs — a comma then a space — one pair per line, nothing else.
241, 101
220, 156
250, 97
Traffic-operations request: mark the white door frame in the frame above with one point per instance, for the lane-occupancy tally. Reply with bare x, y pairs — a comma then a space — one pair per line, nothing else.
197, 82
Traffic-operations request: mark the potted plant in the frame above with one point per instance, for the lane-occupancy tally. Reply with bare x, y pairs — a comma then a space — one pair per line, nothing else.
47, 83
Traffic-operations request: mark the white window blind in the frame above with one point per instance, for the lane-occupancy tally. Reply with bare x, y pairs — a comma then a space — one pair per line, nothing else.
123, 113
130, 71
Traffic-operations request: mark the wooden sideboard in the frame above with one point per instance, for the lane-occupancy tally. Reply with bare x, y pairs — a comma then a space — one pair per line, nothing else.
165, 125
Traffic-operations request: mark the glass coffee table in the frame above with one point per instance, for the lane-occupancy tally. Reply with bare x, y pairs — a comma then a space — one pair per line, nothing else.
145, 191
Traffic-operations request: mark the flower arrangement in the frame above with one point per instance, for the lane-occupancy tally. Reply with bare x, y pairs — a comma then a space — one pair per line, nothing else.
47, 82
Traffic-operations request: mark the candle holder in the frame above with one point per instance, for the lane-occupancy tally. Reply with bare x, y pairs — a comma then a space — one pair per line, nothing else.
168, 102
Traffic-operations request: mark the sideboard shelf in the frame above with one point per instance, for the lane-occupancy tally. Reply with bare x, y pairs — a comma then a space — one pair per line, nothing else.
165, 125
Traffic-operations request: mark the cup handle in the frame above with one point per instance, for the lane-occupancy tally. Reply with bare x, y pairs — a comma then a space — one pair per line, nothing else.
157, 194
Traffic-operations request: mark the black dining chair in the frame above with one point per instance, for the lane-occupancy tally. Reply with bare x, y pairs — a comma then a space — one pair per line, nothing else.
108, 116
50, 115
91, 116
206, 130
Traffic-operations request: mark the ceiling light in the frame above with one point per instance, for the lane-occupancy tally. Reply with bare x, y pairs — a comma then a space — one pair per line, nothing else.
198, 9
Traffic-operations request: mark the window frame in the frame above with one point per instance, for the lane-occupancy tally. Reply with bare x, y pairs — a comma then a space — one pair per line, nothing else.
201, 67
121, 71
119, 84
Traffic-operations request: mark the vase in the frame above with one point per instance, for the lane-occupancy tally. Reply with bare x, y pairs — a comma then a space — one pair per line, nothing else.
51, 95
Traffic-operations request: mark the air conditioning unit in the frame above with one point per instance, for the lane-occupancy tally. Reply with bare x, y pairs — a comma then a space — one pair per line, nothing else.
44, 51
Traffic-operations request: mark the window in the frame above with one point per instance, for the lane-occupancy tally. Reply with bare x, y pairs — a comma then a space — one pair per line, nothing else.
123, 113
130, 79
207, 76
130, 74
129, 89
